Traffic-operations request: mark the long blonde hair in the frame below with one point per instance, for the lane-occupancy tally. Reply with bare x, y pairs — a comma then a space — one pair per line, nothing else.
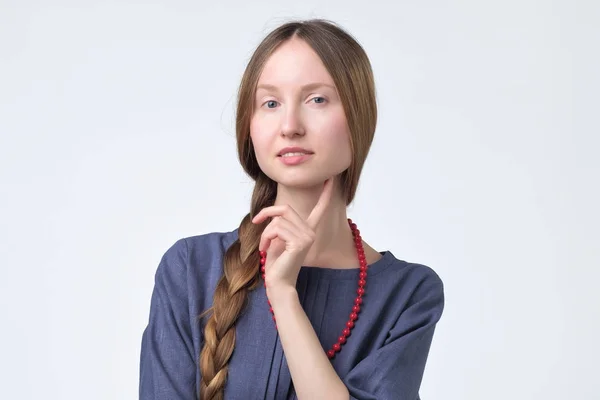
349, 66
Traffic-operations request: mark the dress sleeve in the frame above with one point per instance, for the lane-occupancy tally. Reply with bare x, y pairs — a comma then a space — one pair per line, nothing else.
395, 371
167, 366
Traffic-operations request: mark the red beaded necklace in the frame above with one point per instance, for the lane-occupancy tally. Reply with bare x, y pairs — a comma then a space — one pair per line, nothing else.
362, 281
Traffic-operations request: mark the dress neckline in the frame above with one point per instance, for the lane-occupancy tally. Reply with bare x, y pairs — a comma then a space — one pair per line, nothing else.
351, 273
387, 259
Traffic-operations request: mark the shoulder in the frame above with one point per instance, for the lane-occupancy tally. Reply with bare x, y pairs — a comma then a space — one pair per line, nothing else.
192, 248
411, 273
426, 301
197, 259
423, 275
415, 282
414, 296
212, 244
191, 267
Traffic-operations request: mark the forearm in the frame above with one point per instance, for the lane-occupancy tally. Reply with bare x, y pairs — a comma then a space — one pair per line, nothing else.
312, 373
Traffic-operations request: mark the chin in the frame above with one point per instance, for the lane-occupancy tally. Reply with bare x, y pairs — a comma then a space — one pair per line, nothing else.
303, 176
298, 179
299, 183
306, 179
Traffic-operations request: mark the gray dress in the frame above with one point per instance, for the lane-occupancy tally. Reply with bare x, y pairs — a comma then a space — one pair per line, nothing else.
383, 358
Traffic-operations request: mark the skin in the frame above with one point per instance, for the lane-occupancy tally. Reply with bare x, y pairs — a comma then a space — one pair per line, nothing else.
309, 222
287, 114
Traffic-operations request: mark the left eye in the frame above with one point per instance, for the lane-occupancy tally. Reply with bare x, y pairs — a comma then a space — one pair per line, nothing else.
318, 99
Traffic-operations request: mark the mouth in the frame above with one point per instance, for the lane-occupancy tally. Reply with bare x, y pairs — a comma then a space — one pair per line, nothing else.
293, 151
294, 158
294, 154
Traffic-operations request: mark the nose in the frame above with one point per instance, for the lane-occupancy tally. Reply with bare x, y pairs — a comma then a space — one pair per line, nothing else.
291, 124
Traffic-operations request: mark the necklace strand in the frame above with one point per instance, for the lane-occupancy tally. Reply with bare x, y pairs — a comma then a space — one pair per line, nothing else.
358, 301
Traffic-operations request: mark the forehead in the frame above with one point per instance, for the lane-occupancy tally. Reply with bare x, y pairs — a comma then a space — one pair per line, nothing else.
294, 63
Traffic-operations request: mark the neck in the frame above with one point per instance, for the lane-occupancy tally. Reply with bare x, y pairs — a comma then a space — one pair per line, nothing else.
333, 241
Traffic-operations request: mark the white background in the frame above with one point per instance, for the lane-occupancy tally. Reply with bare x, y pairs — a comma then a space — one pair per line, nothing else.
117, 139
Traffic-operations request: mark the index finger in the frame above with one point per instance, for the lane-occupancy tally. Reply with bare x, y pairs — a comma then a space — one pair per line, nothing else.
317, 212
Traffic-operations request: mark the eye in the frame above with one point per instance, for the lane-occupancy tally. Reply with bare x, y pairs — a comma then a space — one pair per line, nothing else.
319, 99
271, 104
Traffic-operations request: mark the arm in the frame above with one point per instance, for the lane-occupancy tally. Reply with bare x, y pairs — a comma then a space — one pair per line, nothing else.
395, 371
167, 366
312, 373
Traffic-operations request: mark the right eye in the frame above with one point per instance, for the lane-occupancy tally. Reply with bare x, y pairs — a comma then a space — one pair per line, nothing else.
271, 104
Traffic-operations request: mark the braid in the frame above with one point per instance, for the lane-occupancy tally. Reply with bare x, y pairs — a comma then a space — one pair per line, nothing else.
240, 275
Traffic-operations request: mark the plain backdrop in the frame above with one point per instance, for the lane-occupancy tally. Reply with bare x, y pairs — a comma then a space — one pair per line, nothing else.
117, 139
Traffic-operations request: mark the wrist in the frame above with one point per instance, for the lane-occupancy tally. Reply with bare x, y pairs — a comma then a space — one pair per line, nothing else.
281, 295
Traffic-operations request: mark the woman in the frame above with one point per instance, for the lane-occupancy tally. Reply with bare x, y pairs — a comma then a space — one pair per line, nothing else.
297, 305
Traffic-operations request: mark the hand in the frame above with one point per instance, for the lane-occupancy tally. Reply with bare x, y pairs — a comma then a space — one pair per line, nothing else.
288, 238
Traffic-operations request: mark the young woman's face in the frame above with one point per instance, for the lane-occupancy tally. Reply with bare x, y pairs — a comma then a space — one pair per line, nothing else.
297, 105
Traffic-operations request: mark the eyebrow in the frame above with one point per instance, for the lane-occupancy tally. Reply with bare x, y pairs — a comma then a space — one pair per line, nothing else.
308, 86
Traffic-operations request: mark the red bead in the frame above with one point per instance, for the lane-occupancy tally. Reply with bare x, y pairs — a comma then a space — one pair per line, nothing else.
362, 274
273, 318
346, 332
337, 347
330, 353
342, 339
353, 225
271, 309
358, 301
356, 309
360, 291
350, 324
362, 283
363, 268
353, 316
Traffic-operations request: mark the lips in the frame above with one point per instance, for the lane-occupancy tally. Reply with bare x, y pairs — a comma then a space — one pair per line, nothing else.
293, 150
296, 159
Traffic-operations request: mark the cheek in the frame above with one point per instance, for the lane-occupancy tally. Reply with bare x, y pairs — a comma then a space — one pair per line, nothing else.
261, 128
260, 140
337, 132
256, 133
